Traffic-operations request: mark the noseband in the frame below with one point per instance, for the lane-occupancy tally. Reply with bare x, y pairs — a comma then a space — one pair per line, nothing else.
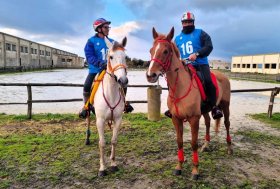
166, 64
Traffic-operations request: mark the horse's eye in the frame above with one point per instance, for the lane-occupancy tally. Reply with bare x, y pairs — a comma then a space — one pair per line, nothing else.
165, 51
111, 57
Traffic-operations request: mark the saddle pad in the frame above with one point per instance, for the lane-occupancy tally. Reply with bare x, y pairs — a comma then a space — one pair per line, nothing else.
199, 84
95, 86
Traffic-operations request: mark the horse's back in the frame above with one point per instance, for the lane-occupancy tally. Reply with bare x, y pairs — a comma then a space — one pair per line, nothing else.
224, 85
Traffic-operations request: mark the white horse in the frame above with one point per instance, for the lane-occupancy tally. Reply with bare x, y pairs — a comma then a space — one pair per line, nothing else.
109, 100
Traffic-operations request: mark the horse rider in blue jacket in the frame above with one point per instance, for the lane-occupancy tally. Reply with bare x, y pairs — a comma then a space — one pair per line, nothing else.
195, 45
96, 57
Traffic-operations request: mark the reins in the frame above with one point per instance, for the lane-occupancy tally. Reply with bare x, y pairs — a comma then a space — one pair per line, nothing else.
110, 72
166, 67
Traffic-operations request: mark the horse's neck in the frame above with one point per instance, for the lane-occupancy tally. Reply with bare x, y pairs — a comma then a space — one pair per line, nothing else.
110, 87
177, 75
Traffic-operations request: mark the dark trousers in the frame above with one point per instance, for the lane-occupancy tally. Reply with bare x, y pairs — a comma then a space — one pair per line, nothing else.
88, 82
207, 83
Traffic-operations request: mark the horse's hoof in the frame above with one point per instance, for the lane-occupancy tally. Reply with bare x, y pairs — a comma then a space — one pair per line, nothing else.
230, 152
205, 149
87, 142
177, 172
114, 169
102, 173
195, 176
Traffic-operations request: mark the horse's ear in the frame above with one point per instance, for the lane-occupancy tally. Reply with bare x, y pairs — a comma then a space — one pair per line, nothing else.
124, 41
155, 34
170, 35
108, 42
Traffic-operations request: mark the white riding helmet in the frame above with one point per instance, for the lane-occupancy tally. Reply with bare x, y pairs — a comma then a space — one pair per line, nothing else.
188, 16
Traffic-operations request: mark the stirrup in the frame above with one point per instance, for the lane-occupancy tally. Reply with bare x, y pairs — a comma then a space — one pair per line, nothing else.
216, 112
168, 114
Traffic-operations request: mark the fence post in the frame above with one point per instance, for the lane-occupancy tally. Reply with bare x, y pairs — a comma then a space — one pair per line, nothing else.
270, 107
29, 102
154, 102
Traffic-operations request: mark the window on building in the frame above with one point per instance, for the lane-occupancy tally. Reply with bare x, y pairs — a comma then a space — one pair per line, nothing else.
266, 66
238, 65
8, 47
234, 65
14, 47
26, 49
243, 65
21, 49
259, 66
35, 51
273, 66
69, 60
32, 51
63, 60
248, 66
254, 65
48, 53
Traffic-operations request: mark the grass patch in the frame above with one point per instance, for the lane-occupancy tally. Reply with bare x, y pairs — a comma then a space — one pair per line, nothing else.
259, 137
146, 153
5, 118
274, 121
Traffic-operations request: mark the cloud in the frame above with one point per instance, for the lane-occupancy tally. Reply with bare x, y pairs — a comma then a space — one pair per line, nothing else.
52, 16
136, 47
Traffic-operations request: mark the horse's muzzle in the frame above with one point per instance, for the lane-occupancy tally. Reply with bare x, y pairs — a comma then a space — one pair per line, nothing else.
152, 78
123, 81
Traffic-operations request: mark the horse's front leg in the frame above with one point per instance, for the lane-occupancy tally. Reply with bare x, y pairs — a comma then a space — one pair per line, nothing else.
207, 120
100, 123
178, 124
116, 128
194, 123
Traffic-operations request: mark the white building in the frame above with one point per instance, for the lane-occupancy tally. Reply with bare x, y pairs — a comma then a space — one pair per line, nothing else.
261, 63
21, 54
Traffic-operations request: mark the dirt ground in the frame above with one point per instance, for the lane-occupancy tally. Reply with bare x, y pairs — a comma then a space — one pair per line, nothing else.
262, 166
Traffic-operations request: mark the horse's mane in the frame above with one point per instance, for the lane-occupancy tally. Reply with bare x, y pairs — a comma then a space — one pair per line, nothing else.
174, 47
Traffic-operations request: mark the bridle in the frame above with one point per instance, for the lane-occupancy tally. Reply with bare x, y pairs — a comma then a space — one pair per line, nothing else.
111, 69
110, 72
164, 64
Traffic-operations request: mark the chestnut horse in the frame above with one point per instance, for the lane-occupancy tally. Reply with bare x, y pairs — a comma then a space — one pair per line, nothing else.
184, 99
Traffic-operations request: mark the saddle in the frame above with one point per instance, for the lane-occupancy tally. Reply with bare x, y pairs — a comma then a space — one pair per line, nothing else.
205, 107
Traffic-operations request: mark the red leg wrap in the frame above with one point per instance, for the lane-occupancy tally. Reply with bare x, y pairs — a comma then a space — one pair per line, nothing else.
228, 138
195, 158
181, 155
207, 138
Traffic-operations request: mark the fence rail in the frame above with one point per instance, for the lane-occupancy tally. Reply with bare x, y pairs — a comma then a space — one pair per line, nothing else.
274, 92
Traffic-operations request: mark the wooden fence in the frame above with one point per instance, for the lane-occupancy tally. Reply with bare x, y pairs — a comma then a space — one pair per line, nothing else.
274, 92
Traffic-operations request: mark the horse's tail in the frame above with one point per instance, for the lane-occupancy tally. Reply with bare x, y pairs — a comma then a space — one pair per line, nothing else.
217, 125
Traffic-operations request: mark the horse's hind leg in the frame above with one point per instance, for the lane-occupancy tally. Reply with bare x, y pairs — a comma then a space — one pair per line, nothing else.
227, 125
178, 124
207, 120
100, 127
116, 127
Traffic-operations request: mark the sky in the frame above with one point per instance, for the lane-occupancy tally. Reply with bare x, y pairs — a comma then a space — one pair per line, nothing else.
236, 27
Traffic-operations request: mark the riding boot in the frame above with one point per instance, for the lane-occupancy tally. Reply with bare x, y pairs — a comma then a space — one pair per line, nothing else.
216, 111
168, 114
84, 112
127, 107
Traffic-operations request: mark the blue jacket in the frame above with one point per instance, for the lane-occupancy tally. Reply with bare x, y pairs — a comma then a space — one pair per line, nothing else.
96, 53
192, 43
